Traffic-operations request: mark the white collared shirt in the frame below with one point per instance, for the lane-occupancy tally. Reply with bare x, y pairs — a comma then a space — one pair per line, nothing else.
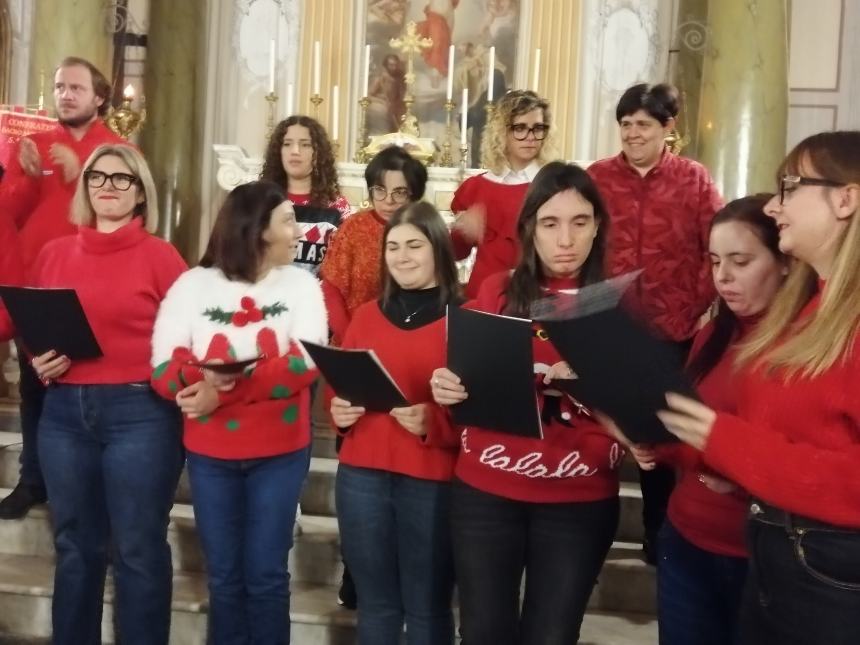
512, 177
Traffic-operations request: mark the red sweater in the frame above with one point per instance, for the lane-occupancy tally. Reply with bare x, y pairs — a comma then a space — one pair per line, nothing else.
377, 440
715, 522
499, 250
120, 279
660, 223
576, 461
796, 444
40, 205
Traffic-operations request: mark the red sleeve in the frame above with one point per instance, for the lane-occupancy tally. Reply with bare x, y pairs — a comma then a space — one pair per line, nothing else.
274, 378
679, 455
464, 197
176, 374
797, 477
710, 202
338, 313
441, 431
171, 266
343, 207
19, 193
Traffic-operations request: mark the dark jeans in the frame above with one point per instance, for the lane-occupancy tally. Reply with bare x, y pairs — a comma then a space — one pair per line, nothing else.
698, 592
245, 510
803, 586
111, 456
32, 399
561, 548
395, 535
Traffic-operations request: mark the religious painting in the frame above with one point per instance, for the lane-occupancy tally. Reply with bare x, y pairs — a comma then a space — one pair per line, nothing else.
472, 26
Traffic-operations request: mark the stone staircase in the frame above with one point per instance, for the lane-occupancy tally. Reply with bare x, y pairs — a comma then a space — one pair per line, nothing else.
621, 610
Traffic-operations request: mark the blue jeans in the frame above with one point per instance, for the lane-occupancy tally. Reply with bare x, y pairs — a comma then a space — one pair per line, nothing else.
111, 456
698, 592
245, 510
395, 535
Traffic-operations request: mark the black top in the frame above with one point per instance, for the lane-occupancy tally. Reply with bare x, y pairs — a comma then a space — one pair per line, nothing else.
413, 308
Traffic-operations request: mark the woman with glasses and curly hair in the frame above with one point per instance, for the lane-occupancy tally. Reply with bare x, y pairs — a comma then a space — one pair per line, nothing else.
515, 145
300, 159
110, 447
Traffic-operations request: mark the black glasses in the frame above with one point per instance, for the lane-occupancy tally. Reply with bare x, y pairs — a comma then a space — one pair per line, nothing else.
789, 183
398, 195
521, 131
119, 180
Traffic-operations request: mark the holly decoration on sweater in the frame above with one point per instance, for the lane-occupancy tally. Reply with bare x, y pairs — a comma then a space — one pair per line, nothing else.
249, 313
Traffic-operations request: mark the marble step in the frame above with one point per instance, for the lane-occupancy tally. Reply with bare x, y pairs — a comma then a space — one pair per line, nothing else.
26, 587
625, 584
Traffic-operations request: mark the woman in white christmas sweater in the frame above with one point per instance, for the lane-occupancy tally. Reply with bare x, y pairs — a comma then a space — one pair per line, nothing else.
248, 432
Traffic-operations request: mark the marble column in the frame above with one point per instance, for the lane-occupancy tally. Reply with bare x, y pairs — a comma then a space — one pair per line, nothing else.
744, 105
172, 135
685, 69
67, 28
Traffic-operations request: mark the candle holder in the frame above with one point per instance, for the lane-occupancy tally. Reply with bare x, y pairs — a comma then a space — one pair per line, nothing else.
447, 160
362, 142
317, 100
125, 120
272, 100
490, 109
464, 154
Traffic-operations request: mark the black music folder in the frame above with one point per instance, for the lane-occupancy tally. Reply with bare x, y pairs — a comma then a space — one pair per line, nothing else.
47, 319
623, 371
232, 367
492, 355
357, 376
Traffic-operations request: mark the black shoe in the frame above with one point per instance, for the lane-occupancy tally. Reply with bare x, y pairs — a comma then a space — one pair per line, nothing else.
346, 596
20, 501
649, 549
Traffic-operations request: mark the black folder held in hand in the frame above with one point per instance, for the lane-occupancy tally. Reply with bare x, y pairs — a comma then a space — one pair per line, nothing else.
492, 355
622, 370
47, 319
357, 376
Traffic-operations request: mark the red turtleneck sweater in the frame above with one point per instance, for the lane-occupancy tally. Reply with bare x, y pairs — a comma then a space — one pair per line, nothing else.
795, 443
576, 461
120, 279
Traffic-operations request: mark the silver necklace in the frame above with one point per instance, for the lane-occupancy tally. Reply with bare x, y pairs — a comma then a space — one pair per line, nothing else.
409, 316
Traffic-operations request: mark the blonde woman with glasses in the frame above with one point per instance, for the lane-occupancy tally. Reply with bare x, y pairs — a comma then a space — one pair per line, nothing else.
795, 441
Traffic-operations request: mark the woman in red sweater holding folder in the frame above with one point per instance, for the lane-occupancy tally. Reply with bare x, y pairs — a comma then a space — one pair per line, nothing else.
393, 482
703, 555
794, 443
547, 506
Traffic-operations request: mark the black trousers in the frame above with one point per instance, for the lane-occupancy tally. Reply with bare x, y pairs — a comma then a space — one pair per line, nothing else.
803, 586
561, 549
32, 400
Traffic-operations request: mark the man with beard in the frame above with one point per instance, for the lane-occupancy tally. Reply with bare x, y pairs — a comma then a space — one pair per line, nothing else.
36, 194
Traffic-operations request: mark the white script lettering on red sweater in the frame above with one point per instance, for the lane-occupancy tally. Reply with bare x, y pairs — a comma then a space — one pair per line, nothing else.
530, 465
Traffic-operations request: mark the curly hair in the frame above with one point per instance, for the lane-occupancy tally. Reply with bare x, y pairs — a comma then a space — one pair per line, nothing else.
494, 139
324, 185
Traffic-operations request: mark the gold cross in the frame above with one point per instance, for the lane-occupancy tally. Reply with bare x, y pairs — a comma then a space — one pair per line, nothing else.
410, 44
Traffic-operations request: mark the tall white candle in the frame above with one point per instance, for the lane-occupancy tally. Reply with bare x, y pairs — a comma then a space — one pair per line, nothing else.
490, 74
291, 99
366, 77
335, 115
449, 93
536, 76
464, 117
271, 66
317, 66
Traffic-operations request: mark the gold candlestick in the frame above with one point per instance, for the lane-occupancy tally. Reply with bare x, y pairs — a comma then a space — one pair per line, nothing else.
447, 160
464, 153
124, 120
272, 100
317, 100
410, 44
361, 143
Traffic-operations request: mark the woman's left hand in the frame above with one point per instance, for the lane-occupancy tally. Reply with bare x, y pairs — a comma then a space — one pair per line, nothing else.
198, 399
560, 370
688, 419
413, 418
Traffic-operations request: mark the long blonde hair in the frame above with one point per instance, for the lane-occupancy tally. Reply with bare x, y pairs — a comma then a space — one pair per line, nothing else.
494, 138
818, 341
82, 212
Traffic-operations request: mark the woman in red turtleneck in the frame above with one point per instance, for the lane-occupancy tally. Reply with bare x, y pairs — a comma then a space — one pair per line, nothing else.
110, 448
794, 442
547, 506
703, 556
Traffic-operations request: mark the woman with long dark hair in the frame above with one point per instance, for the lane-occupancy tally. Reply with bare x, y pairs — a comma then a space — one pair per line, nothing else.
794, 443
548, 506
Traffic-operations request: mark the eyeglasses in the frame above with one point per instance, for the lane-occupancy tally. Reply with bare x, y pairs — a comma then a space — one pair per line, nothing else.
119, 180
398, 195
521, 131
789, 183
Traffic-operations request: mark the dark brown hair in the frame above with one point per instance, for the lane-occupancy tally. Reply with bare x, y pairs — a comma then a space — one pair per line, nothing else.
101, 86
324, 184
748, 211
394, 158
236, 245
426, 219
660, 101
553, 178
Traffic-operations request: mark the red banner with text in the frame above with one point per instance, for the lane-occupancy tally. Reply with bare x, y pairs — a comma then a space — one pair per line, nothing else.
14, 125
